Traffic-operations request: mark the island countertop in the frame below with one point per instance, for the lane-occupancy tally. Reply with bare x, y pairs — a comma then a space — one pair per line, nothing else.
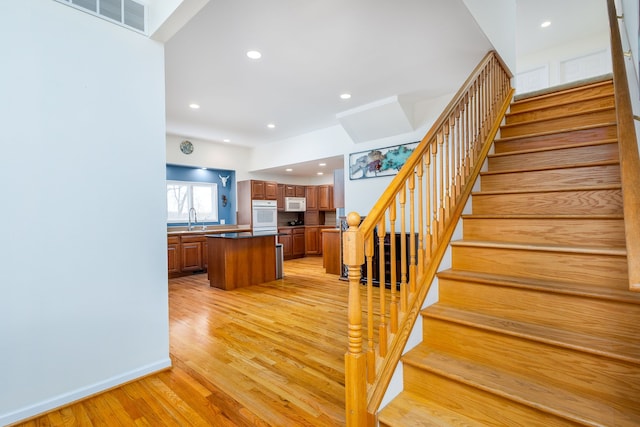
243, 235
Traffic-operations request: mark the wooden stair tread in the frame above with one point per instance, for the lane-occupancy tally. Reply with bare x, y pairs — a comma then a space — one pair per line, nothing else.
555, 105
607, 347
582, 290
572, 406
550, 190
410, 409
596, 250
577, 86
537, 216
554, 132
554, 148
549, 168
559, 116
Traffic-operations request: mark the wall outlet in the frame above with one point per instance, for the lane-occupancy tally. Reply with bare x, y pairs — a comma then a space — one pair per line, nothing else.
222, 221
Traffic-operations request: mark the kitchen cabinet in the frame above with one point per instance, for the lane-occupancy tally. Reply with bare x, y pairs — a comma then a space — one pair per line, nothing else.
191, 253
312, 240
331, 256
325, 197
280, 197
294, 190
293, 242
173, 254
286, 239
260, 190
311, 193
313, 217
253, 190
271, 190
298, 238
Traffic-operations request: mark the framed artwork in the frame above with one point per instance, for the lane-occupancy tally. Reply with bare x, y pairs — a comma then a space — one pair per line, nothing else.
380, 161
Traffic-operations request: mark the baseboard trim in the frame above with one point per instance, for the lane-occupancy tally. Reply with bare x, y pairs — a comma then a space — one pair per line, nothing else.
32, 411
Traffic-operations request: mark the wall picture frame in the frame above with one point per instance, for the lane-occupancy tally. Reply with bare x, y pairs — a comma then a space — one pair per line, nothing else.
379, 162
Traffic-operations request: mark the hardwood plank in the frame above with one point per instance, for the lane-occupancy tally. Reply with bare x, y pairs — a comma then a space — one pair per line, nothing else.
265, 355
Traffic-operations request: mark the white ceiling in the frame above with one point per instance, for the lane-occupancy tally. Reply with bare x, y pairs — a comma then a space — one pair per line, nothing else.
315, 50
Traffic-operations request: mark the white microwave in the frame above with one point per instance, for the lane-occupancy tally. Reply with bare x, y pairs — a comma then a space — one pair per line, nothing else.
295, 204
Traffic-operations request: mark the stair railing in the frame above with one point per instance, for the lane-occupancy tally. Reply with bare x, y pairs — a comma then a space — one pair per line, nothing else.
628, 149
433, 185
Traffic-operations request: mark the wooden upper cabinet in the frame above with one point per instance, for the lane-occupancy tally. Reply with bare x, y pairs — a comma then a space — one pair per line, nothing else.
294, 190
173, 254
311, 192
281, 196
289, 190
271, 190
264, 190
325, 197
258, 190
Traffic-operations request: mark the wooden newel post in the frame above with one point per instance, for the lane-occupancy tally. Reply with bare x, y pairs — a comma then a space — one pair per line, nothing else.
354, 359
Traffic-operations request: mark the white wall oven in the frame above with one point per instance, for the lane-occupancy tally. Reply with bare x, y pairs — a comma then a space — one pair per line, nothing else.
264, 216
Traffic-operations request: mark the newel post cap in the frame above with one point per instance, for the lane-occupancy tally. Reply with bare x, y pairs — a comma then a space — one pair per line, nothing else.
353, 242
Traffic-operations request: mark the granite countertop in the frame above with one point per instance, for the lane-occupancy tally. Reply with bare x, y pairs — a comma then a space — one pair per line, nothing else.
211, 229
243, 235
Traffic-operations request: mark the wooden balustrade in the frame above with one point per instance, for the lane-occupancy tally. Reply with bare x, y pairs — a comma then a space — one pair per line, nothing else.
430, 191
628, 149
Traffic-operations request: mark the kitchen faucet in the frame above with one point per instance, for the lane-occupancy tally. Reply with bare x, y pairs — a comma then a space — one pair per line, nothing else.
195, 218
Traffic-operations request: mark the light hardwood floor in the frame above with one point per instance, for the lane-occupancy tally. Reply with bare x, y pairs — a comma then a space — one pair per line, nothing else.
267, 355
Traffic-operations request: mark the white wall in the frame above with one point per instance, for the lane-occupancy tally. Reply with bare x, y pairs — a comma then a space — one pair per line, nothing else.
83, 271
630, 36
553, 58
209, 155
497, 18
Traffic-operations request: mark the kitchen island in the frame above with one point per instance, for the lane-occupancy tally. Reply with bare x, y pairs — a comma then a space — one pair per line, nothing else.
238, 260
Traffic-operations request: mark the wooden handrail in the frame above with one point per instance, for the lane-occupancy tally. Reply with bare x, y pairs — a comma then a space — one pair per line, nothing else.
628, 149
425, 200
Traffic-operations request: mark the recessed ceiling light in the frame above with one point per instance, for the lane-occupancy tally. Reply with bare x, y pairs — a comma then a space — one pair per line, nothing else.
194, 106
289, 170
271, 126
320, 173
254, 54
545, 24
226, 140
345, 96
322, 164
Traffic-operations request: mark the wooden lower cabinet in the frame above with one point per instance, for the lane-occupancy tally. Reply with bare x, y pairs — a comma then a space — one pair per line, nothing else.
293, 244
312, 241
331, 256
298, 242
286, 240
192, 257
173, 254
186, 254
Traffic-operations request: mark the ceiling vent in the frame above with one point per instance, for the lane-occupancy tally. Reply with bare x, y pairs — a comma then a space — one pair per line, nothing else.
127, 13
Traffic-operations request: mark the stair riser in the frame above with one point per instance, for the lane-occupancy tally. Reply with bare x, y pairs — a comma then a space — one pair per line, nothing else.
612, 381
607, 271
486, 407
558, 139
599, 317
556, 110
555, 231
577, 202
550, 100
558, 124
555, 158
557, 178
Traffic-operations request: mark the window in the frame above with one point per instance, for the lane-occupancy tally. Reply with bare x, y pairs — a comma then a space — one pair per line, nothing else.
184, 195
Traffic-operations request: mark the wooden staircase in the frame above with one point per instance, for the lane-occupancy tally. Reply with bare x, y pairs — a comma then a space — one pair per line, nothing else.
535, 324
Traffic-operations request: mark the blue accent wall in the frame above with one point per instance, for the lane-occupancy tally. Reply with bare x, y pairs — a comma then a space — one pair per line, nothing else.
185, 173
